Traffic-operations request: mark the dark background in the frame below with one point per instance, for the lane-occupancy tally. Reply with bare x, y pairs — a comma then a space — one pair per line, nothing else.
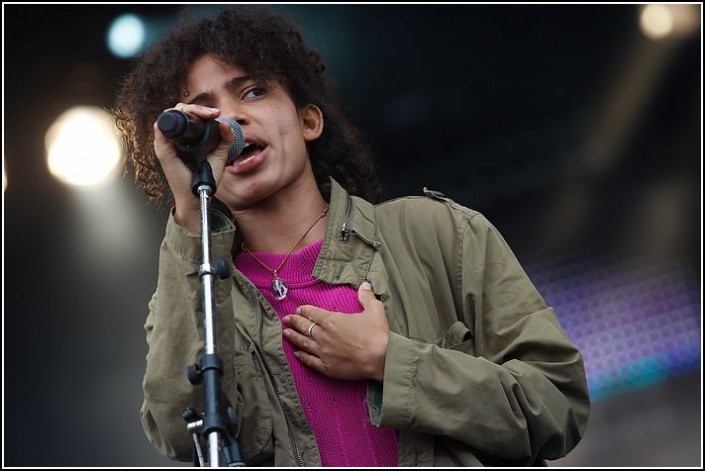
578, 137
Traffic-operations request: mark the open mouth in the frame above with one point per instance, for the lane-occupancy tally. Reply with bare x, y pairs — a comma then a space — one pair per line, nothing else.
250, 150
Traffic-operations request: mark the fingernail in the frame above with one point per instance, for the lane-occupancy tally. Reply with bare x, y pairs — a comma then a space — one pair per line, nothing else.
366, 285
285, 319
213, 110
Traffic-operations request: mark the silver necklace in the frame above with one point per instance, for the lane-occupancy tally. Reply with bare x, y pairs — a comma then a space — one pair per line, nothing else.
279, 286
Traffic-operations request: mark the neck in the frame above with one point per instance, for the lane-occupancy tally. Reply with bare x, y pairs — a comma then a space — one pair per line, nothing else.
276, 224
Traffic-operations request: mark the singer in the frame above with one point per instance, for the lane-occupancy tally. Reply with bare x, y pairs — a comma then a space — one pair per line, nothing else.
353, 334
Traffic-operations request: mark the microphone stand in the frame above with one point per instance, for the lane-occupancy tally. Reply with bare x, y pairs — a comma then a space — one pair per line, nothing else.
213, 424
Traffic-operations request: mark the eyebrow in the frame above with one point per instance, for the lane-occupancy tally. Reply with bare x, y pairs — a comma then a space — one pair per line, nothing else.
234, 82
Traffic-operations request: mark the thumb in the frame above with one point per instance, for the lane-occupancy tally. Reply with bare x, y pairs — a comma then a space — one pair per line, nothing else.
219, 157
227, 138
365, 293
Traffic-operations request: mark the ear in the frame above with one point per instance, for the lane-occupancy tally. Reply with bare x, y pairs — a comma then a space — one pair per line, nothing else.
311, 118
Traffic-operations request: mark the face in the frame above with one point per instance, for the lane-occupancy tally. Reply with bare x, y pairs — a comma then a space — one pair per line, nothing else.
276, 163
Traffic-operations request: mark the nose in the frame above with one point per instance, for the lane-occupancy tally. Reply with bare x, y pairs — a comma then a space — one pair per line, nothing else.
231, 109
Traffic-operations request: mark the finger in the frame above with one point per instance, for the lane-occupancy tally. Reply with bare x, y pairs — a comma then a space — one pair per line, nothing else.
314, 314
299, 323
311, 361
204, 112
219, 157
227, 136
302, 342
365, 294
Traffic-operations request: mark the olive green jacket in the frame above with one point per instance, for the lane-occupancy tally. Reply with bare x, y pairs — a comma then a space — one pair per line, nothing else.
478, 370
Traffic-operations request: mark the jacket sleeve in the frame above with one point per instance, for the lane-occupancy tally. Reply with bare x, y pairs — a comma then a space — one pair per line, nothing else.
175, 337
511, 385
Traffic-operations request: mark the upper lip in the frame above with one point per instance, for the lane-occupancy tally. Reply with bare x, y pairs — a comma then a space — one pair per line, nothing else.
250, 139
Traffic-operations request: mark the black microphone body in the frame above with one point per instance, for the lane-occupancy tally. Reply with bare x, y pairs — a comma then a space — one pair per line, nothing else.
195, 137
182, 127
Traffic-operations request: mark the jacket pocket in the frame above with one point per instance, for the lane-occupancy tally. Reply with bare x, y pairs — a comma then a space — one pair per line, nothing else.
458, 337
254, 417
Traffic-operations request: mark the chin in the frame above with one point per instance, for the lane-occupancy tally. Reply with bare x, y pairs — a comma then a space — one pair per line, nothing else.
242, 199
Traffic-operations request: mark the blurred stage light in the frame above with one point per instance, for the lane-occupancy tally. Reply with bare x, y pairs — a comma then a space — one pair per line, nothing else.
126, 35
82, 146
656, 21
669, 20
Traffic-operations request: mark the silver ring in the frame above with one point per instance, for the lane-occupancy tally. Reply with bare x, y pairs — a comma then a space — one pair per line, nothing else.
310, 329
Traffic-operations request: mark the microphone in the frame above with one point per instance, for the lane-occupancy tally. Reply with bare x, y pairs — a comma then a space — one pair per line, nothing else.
193, 135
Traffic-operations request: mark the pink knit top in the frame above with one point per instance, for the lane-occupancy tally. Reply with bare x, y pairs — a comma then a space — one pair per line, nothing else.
336, 409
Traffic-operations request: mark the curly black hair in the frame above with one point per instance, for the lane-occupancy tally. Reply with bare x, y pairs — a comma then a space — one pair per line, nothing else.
269, 47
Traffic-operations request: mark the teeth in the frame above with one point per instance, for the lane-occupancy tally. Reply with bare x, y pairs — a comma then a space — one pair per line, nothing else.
241, 160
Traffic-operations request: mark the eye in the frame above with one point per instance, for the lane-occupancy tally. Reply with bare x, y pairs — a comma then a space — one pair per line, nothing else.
254, 92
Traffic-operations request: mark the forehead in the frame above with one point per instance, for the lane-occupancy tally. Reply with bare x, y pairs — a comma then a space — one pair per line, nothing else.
208, 73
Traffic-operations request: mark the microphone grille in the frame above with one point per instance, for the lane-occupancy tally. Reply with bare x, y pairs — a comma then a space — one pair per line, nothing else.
239, 141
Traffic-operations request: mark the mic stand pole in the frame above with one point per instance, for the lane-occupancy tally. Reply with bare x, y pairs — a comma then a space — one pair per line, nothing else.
213, 424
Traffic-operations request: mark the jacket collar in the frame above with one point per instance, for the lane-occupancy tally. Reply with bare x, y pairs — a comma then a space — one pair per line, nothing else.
351, 238
351, 215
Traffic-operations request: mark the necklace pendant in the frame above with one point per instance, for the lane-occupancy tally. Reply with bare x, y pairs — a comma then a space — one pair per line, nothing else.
279, 288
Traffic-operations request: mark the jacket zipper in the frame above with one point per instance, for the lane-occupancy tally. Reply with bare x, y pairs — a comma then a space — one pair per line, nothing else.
346, 230
292, 436
344, 234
